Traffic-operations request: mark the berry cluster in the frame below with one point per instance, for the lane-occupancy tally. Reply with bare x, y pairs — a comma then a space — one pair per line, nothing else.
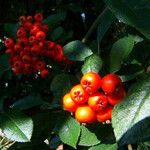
94, 98
30, 48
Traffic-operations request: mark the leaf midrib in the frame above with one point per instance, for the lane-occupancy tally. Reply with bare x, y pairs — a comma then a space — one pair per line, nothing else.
24, 136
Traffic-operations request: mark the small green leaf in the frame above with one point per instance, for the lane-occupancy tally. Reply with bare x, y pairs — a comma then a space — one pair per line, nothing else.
131, 117
104, 147
92, 63
105, 22
11, 29
68, 130
27, 102
76, 51
120, 50
88, 138
16, 126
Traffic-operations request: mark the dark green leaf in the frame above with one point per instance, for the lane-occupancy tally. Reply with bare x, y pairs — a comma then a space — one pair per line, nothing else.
92, 63
27, 102
131, 117
44, 123
57, 33
134, 13
11, 29
104, 147
68, 130
60, 85
29, 146
120, 50
55, 19
16, 126
76, 51
105, 22
88, 138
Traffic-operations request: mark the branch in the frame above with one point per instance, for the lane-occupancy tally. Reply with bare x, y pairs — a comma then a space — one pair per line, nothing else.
130, 147
94, 25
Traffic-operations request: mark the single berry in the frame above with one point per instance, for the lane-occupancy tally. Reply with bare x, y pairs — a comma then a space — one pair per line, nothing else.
91, 82
78, 94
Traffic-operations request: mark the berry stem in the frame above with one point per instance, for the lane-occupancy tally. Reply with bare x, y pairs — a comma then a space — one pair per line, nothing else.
130, 147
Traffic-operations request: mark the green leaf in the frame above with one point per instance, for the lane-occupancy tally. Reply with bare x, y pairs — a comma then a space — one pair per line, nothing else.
142, 146
16, 126
11, 29
92, 63
105, 22
55, 19
76, 51
120, 50
88, 138
27, 102
68, 130
104, 147
131, 117
60, 85
133, 13
57, 33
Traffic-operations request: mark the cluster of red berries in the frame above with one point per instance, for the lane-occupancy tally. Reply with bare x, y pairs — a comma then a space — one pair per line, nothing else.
31, 47
94, 98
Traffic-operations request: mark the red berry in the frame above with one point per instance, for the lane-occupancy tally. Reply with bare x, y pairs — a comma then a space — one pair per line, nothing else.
115, 97
26, 59
91, 82
9, 42
97, 101
85, 114
110, 82
78, 94
40, 35
40, 65
21, 32
44, 73
69, 104
38, 17
105, 114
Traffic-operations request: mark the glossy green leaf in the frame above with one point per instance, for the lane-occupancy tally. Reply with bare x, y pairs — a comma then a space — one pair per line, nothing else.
16, 126
27, 102
68, 130
88, 138
92, 63
105, 22
131, 117
77, 51
11, 29
104, 147
120, 50
134, 13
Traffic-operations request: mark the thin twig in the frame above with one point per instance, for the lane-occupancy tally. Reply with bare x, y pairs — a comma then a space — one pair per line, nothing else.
130, 147
94, 25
